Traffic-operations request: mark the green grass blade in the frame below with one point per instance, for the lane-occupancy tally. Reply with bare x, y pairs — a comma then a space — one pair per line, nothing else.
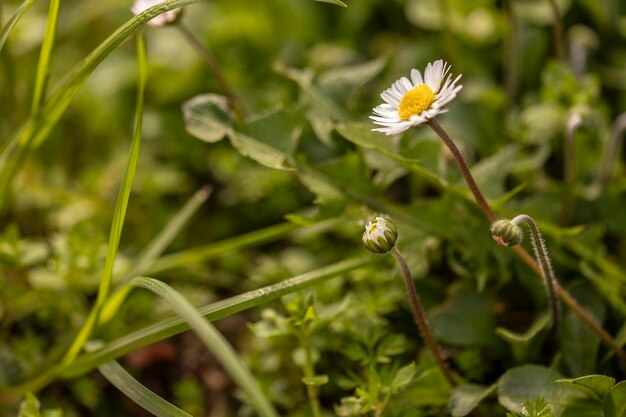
37, 128
215, 311
119, 212
203, 253
141, 395
154, 250
44, 56
214, 341
6, 29
337, 2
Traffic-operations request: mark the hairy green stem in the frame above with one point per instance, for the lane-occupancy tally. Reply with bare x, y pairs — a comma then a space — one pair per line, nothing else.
547, 272
420, 319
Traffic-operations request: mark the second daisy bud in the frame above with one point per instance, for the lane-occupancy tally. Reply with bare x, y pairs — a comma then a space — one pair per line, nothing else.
380, 235
506, 233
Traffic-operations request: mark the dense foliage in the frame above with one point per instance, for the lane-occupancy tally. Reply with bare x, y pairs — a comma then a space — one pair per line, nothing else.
246, 188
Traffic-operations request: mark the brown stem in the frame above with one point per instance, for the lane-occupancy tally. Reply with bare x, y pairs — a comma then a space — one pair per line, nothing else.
207, 56
565, 296
557, 30
420, 318
478, 196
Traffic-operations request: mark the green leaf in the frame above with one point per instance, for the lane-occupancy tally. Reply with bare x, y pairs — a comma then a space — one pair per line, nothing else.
29, 406
44, 56
315, 381
530, 382
596, 385
337, 2
524, 345
464, 320
141, 395
119, 212
214, 341
466, 397
403, 377
615, 401
269, 138
208, 117
17, 14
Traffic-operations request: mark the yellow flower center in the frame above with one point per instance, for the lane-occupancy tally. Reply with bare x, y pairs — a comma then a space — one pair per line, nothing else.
415, 101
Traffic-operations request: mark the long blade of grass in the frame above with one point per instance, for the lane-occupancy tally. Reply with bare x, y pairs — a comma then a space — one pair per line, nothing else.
154, 250
37, 128
44, 56
214, 341
203, 253
6, 29
119, 212
141, 395
215, 311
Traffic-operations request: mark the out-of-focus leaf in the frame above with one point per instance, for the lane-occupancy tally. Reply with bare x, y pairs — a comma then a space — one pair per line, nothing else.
6, 29
403, 377
615, 401
29, 406
464, 320
315, 381
580, 343
466, 397
208, 117
596, 385
269, 138
523, 345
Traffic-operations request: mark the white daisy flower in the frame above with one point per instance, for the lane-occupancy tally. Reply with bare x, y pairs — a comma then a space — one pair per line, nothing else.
380, 235
160, 20
415, 101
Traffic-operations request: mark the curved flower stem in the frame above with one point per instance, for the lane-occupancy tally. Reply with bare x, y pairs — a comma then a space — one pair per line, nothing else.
420, 318
207, 56
543, 259
478, 196
557, 30
565, 296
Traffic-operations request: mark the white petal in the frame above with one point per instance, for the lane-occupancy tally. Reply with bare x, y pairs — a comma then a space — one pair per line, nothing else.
416, 77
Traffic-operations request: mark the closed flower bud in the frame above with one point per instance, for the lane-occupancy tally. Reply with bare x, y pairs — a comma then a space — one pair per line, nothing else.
380, 235
506, 233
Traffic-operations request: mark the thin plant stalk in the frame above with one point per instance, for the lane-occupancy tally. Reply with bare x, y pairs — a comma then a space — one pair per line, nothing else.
420, 319
565, 296
557, 30
208, 57
478, 196
547, 272
510, 54
309, 372
44, 56
574, 122
612, 151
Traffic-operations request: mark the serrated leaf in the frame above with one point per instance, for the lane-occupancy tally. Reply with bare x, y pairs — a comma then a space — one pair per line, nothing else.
208, 117
466, 397
614, 404
596, 385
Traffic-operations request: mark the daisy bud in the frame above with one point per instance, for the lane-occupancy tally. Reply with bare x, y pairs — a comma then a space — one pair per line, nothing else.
380, 235
160, 20
506, 233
